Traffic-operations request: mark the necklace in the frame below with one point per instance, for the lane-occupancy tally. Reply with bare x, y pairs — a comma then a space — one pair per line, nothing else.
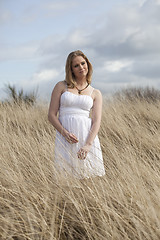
80, 90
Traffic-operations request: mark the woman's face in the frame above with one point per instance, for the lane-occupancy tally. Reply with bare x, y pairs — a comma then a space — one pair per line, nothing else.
79, 67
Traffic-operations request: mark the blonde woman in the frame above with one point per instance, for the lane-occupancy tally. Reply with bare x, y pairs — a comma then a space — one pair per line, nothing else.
77, 147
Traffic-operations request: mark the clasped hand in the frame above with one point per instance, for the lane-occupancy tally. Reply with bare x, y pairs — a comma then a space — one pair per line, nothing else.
83, 151
71, 138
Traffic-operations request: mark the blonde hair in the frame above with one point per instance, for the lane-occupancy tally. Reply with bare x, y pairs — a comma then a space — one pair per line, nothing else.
70, 79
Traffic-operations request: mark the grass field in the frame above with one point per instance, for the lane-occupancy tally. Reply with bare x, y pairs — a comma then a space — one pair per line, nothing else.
36, 203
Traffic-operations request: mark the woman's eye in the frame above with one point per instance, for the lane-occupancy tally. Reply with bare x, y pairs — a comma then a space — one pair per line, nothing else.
77, 65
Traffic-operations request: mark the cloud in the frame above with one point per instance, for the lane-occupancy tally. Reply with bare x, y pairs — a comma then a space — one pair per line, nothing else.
129, 35
122, 42
148, 68
158, 2
21, 52
5, 16
41, 82
60, 6
44, 76
79, 38
128, 31
116, 66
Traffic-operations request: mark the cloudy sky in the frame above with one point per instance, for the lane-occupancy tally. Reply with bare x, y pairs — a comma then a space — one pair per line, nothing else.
121, 38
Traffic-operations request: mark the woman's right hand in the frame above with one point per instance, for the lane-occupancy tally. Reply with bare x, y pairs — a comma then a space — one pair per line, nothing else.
70, 137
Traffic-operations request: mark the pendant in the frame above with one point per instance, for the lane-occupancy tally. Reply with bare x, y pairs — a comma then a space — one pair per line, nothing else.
80, 90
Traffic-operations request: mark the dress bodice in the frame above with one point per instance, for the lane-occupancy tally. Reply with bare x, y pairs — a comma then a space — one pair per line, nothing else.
73, 104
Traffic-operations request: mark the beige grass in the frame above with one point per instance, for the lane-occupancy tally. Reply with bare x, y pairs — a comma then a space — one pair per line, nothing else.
36, 203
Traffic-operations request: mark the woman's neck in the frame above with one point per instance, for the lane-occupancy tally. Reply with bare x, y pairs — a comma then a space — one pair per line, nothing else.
81, 82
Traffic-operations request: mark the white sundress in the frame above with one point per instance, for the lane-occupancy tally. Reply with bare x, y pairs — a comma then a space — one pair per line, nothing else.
74, 116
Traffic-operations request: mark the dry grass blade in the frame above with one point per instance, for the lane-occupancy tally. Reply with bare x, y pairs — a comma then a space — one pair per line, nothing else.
38, 203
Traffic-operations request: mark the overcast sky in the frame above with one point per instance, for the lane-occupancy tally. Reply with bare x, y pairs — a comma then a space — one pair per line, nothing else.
121, 38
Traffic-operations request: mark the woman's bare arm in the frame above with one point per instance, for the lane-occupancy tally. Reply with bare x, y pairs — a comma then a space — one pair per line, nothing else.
96, 117
53, 111
96, 120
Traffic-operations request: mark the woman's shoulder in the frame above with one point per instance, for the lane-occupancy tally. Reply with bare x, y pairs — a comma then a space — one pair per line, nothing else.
97, 93
60, 86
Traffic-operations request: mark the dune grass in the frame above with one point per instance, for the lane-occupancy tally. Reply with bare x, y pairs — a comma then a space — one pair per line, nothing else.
37, 203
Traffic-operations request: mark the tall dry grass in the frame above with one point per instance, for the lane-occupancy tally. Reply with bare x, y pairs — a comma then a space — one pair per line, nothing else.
36, 203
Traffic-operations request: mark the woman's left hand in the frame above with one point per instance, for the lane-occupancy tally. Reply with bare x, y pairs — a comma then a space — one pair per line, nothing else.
82, 153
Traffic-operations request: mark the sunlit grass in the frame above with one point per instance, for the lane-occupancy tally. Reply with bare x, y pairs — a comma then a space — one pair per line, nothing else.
37, 203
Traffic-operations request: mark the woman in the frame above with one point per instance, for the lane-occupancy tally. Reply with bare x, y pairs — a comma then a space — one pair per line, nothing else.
77, 148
